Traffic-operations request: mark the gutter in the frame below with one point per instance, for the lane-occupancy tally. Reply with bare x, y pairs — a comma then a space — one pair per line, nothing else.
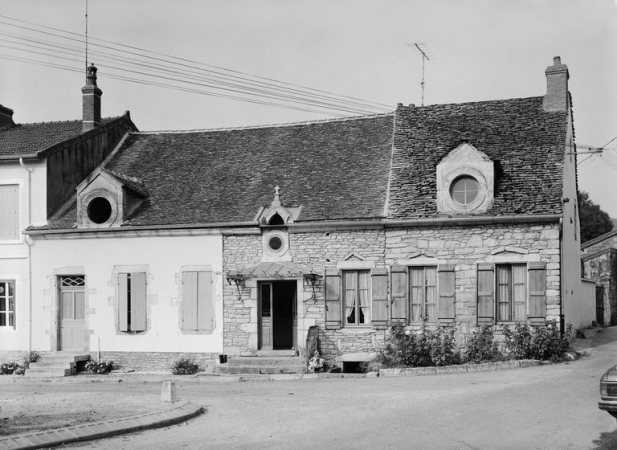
28, 243
299, 226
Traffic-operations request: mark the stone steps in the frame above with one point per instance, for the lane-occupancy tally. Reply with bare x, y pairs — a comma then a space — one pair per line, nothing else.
255, 365
58, 364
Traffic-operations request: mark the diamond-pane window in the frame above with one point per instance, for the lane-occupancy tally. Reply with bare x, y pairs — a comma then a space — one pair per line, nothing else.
73, 281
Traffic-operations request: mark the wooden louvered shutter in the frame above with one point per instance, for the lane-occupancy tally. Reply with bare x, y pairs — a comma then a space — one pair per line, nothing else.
138, 301
486, 293
123, 304
446, 311
537, 292
333, 299
379, 283
399, 293
204, 302
189, 301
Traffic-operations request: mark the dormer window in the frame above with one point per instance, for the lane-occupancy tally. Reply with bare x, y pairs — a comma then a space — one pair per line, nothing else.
99, 210
276, 219
465, 180
107, 199
464, 189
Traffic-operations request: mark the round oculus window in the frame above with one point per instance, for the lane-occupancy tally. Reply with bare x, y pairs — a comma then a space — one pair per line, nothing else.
465, 189
99, 210
275, 243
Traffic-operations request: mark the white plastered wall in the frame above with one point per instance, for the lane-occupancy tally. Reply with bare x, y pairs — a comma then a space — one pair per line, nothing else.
162, 255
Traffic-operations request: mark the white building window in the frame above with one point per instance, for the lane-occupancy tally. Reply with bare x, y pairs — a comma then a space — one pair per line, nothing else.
9, 212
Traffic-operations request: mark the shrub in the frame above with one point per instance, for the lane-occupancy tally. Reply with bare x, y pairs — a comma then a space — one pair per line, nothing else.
545, 343
11, 368
31, 357
99, 367
426, 348
481, 346
184, 366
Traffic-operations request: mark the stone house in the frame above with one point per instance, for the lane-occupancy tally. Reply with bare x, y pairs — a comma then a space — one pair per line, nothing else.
241, 241
40, 166
599, 259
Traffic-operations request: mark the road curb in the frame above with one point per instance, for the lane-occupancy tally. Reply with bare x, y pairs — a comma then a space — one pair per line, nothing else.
462, 368
100, 430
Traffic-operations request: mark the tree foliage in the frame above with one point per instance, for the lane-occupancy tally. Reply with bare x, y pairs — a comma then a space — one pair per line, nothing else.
594, 221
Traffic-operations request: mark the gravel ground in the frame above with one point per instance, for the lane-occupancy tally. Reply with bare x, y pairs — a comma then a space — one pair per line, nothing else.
39, 409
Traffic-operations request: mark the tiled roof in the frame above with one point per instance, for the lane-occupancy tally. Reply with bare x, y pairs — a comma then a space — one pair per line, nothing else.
525, 142
334, 170
31, 138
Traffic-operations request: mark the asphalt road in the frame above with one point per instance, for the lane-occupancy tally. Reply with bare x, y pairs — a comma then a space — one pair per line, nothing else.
547, 407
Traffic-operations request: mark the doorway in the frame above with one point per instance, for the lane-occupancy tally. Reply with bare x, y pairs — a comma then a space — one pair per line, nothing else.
72, 314
278, 318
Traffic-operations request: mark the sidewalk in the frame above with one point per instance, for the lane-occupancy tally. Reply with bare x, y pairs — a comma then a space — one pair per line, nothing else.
100, 430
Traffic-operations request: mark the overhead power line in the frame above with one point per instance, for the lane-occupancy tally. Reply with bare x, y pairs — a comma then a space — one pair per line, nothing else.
143, 66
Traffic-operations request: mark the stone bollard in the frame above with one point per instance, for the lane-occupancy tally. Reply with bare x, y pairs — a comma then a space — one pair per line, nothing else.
168, 391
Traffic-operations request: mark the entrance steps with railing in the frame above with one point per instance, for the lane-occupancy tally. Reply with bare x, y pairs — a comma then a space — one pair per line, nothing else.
56, 364
267, 362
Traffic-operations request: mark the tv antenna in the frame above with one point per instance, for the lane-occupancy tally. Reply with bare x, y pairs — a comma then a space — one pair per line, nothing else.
86, 37
420, 47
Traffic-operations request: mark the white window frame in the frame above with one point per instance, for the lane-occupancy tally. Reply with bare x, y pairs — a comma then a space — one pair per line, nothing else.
6, 312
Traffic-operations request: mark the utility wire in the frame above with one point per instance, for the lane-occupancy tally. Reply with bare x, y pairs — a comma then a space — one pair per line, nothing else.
236, 84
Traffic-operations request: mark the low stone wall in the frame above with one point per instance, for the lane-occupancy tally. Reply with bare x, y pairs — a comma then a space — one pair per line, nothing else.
154, 361
463, 368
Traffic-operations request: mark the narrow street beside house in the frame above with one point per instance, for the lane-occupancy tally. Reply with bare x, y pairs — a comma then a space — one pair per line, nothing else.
546, 407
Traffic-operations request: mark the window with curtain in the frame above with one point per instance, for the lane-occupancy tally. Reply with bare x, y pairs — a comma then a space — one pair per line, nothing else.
423, 294
511, 292
356, 297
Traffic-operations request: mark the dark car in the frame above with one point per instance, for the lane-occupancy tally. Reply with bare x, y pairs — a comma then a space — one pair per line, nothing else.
608, 392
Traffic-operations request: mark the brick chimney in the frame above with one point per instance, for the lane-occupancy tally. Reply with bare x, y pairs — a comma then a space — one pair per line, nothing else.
557, 97
6, 116
91, 100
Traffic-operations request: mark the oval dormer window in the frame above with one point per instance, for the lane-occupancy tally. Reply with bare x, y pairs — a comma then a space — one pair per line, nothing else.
99, 210
464, 190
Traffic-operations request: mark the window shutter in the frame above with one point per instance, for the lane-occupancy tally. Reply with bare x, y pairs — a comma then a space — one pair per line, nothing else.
9, 212
537, 292
333, 299
138, 301
123, 304
379, 280
447, 289
399, 293
486, 293
204, 305
189, 301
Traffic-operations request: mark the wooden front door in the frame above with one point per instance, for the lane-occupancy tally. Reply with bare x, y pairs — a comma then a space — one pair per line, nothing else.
278, 321
72, 312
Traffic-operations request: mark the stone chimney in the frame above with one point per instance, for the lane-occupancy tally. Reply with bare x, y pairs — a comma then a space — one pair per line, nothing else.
6, 116
557, 97
91, 100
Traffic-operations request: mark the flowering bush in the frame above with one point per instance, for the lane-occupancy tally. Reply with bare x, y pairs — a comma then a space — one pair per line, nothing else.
482, 347
99, 366
545, 343
316, 363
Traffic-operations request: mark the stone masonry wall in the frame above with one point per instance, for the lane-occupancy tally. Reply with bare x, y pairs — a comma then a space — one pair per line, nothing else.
603, 270
464, 247
154, 361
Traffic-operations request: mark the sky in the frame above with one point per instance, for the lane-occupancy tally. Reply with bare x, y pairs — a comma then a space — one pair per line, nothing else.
478, 50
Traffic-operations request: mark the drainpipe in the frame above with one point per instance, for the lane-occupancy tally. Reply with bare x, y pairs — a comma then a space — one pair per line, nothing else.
28, 242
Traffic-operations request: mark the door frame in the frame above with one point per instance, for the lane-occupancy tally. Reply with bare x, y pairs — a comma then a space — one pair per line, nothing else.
59, 290
272, 323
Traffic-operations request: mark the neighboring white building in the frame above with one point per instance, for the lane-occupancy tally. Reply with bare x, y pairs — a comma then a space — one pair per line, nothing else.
40, 166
